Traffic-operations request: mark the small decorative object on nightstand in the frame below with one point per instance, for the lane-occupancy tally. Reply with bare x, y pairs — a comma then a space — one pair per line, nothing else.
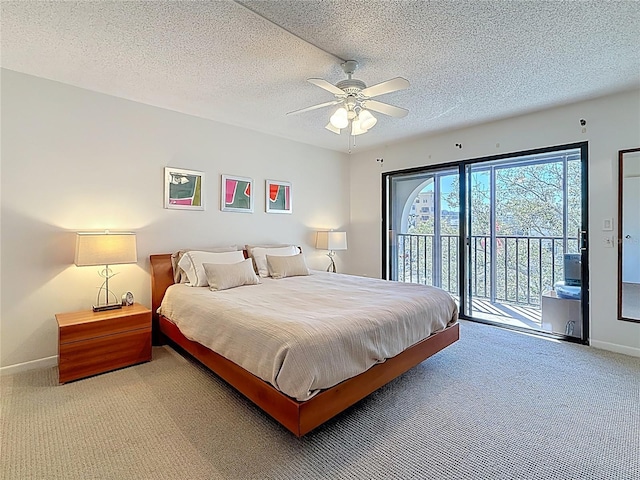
127, 299
96, 342
331, 241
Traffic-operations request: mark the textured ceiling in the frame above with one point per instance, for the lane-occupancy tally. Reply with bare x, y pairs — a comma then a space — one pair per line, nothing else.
246, 63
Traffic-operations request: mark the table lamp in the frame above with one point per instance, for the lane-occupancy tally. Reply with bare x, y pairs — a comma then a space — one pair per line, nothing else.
331, 241
105, 248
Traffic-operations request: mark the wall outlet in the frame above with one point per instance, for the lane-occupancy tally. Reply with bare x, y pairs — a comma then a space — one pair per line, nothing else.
607, 241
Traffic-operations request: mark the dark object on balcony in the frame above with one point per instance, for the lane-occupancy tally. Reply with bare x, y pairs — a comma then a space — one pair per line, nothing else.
572, 269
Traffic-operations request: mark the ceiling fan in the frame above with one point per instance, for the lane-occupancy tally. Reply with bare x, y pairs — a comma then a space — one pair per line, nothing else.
354, 100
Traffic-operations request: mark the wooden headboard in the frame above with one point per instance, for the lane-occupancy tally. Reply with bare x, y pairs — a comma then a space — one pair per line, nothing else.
161, 279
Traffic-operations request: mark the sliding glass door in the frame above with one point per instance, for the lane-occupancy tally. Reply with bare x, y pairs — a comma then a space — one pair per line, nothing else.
424, 219
510, 229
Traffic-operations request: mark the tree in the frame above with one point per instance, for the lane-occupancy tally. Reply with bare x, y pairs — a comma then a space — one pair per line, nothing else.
529, 224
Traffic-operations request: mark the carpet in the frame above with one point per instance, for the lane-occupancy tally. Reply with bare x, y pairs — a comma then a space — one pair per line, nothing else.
495, 405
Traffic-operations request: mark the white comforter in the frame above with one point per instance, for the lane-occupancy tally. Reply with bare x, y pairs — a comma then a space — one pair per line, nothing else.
305, 334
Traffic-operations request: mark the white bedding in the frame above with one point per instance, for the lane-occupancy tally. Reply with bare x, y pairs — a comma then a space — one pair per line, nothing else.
304, 334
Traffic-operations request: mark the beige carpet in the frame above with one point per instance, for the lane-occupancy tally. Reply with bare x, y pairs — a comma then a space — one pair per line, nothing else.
496, 405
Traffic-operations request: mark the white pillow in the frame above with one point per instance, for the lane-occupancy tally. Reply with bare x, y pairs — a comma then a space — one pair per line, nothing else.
191, 262
289, 266
178, 274
249, 247
260, 256
224, 276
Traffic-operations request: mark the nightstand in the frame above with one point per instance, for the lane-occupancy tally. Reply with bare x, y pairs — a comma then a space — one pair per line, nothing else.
96, 342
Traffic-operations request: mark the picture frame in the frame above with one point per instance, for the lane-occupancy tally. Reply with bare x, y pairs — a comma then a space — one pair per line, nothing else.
183, 189
278, 197
236, 194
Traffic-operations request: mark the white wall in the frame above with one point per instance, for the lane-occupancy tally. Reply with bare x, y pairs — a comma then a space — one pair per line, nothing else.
613, 123
77, 160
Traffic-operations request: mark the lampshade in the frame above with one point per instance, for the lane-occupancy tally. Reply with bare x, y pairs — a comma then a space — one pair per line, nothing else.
356, 127
367, 120
339, 118
332, 128
331, 240
105, 248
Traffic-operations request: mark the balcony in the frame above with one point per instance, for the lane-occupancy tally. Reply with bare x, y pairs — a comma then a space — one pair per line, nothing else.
507, 281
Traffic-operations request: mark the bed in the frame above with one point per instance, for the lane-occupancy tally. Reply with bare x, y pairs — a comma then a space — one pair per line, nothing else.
299, 402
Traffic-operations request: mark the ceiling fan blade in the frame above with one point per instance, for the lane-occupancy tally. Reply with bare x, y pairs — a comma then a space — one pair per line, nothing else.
326, 85
389, 86
385, 108
308, 109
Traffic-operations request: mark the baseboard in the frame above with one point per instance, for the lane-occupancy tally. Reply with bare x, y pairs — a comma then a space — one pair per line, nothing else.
614, 347
46, 362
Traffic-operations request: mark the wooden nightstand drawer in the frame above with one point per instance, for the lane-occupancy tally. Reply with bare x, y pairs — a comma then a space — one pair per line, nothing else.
97, 342
82, 359
109, 326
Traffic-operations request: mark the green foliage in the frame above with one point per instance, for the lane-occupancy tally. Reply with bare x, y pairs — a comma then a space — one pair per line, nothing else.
529, 200
424, 228
529, 204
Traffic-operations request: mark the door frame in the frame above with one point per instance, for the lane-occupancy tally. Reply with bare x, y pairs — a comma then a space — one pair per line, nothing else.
463, 269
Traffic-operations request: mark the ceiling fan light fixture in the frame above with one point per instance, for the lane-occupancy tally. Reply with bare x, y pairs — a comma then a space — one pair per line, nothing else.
339, 118
354, 100
356, 127
367, 120
331, 128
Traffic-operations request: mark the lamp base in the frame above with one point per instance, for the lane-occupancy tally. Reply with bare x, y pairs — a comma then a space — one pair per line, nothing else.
332, 266
108, 306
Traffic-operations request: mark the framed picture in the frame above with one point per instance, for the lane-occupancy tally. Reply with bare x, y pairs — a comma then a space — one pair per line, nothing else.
278, 197
236, 194
183, 189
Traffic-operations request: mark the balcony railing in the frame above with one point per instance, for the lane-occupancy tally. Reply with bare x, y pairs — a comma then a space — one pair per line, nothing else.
519, 270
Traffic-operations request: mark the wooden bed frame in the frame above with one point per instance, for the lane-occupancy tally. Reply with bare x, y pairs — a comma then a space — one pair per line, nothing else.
298, 417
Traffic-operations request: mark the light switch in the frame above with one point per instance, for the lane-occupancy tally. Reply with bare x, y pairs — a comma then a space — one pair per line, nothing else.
607, 224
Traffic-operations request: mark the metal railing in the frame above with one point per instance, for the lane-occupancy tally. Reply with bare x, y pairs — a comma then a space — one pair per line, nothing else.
519, 270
